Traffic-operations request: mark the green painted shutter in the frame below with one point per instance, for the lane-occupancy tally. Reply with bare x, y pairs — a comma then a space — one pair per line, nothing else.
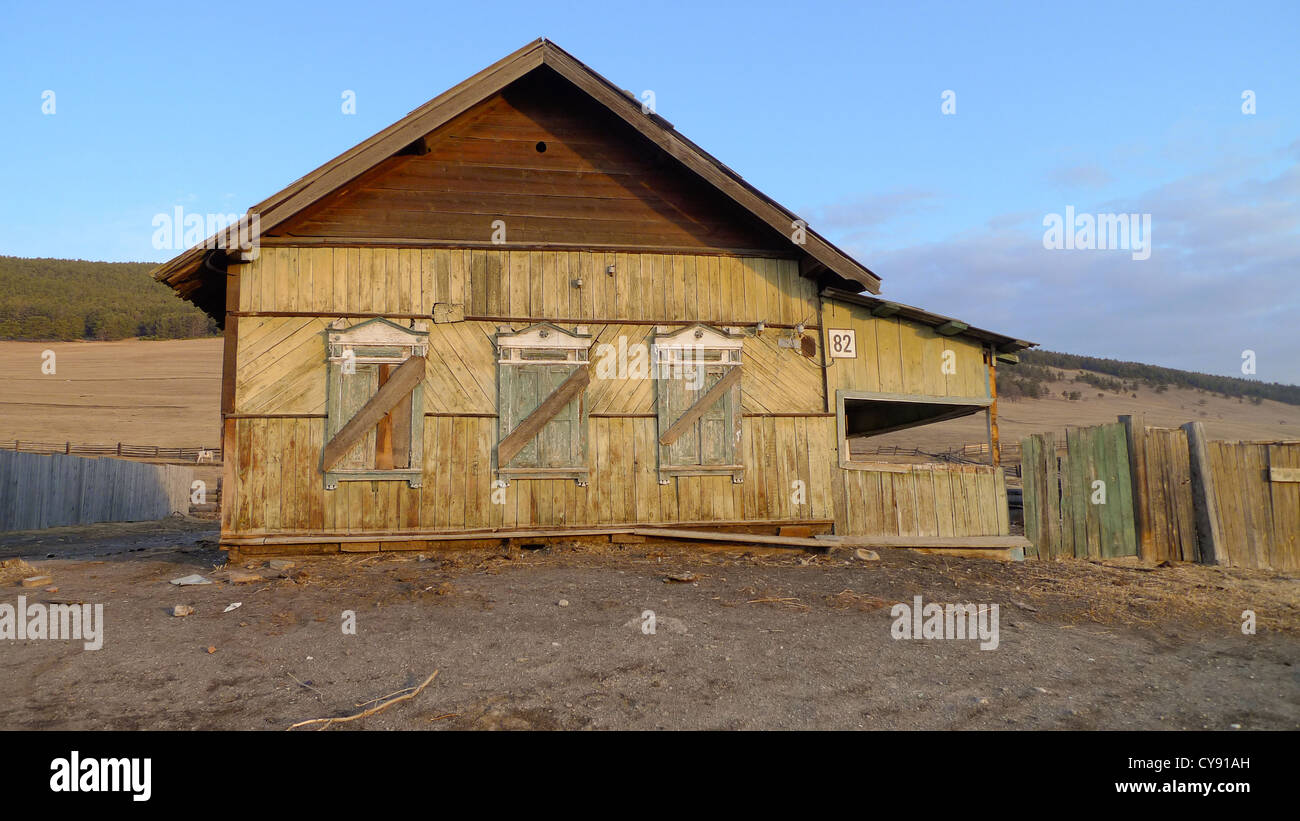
562, 441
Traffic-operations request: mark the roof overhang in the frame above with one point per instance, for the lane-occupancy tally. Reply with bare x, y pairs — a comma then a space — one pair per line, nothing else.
943, 324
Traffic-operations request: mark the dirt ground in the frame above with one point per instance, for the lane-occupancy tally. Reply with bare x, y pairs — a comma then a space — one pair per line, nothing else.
752, 639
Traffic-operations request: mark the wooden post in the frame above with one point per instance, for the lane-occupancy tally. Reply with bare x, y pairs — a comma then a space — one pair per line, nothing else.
1204, 498
995, 449
119, 448
1135, 431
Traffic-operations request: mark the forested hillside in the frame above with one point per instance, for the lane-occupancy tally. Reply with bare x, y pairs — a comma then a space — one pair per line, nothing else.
1037, 368
66, 299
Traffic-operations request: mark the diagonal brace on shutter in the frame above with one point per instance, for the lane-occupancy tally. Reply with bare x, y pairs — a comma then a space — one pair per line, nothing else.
399, 385
694, 412
533, 423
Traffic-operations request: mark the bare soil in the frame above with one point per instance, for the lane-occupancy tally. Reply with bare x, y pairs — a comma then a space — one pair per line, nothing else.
753, 639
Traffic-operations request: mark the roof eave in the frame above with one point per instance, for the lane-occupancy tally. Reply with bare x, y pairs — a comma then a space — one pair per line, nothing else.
1001, 342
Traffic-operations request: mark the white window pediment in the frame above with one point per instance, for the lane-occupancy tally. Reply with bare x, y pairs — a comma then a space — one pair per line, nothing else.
375, 341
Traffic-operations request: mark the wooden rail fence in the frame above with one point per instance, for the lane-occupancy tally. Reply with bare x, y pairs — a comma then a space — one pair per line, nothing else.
49, 490
119, 450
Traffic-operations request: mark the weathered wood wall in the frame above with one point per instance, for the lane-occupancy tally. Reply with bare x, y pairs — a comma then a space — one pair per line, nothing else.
287, 297
50, 490
555, 166
281, 488
902, 357
655, 288
926, 500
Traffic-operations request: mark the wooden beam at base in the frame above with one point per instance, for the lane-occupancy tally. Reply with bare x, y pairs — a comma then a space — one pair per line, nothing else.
673, 534
945, 542
1002, 554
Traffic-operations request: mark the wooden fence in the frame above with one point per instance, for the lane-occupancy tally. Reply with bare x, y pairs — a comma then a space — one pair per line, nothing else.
119, 450
1254, 489
1128, 490
1079, 503
49, 490
926, 500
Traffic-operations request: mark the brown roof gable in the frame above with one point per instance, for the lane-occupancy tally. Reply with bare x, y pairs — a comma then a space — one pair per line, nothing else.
194, 278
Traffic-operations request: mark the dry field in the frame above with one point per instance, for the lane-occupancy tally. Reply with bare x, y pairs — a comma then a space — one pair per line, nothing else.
1223, 418
143, 393
167, 393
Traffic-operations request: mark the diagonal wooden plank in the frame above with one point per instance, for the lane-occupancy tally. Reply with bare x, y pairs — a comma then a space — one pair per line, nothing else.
694, 412
400, 384
533, 423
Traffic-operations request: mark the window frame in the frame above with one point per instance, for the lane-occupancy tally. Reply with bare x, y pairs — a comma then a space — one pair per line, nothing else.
669, 349
372, 343
512, 349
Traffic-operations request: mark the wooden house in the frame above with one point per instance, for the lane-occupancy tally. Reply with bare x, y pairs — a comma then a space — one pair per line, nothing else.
532, 308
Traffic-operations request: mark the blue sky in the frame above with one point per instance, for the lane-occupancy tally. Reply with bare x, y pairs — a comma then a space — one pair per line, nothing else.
832, 109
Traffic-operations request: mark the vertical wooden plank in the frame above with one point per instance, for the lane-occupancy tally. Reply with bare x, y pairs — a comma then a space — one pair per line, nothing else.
889, 356
1285, 499
690, 285
517, 272
1204, 496
537, 290
1135, 436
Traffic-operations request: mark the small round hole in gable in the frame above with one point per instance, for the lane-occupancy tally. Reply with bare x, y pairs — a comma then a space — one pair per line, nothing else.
541, 148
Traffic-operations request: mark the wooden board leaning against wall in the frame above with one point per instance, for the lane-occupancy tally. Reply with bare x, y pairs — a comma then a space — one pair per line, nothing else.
288, 296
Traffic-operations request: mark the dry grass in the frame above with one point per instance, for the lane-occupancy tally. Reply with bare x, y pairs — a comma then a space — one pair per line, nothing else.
1137, 595
12, 570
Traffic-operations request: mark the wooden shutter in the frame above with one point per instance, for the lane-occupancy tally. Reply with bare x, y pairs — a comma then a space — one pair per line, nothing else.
542, 374
699, 418
374, 426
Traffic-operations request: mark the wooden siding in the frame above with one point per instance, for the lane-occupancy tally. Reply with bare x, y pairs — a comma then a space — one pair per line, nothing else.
597, 183
285, 495
281, 370
664, 288
926, 500
898, 356
281, 490
288, 296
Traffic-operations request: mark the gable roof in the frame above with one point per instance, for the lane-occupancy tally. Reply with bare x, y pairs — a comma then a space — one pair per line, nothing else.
194, 277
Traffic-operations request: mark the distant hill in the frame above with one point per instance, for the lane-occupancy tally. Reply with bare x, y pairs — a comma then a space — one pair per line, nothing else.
67, 299
1037, 368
